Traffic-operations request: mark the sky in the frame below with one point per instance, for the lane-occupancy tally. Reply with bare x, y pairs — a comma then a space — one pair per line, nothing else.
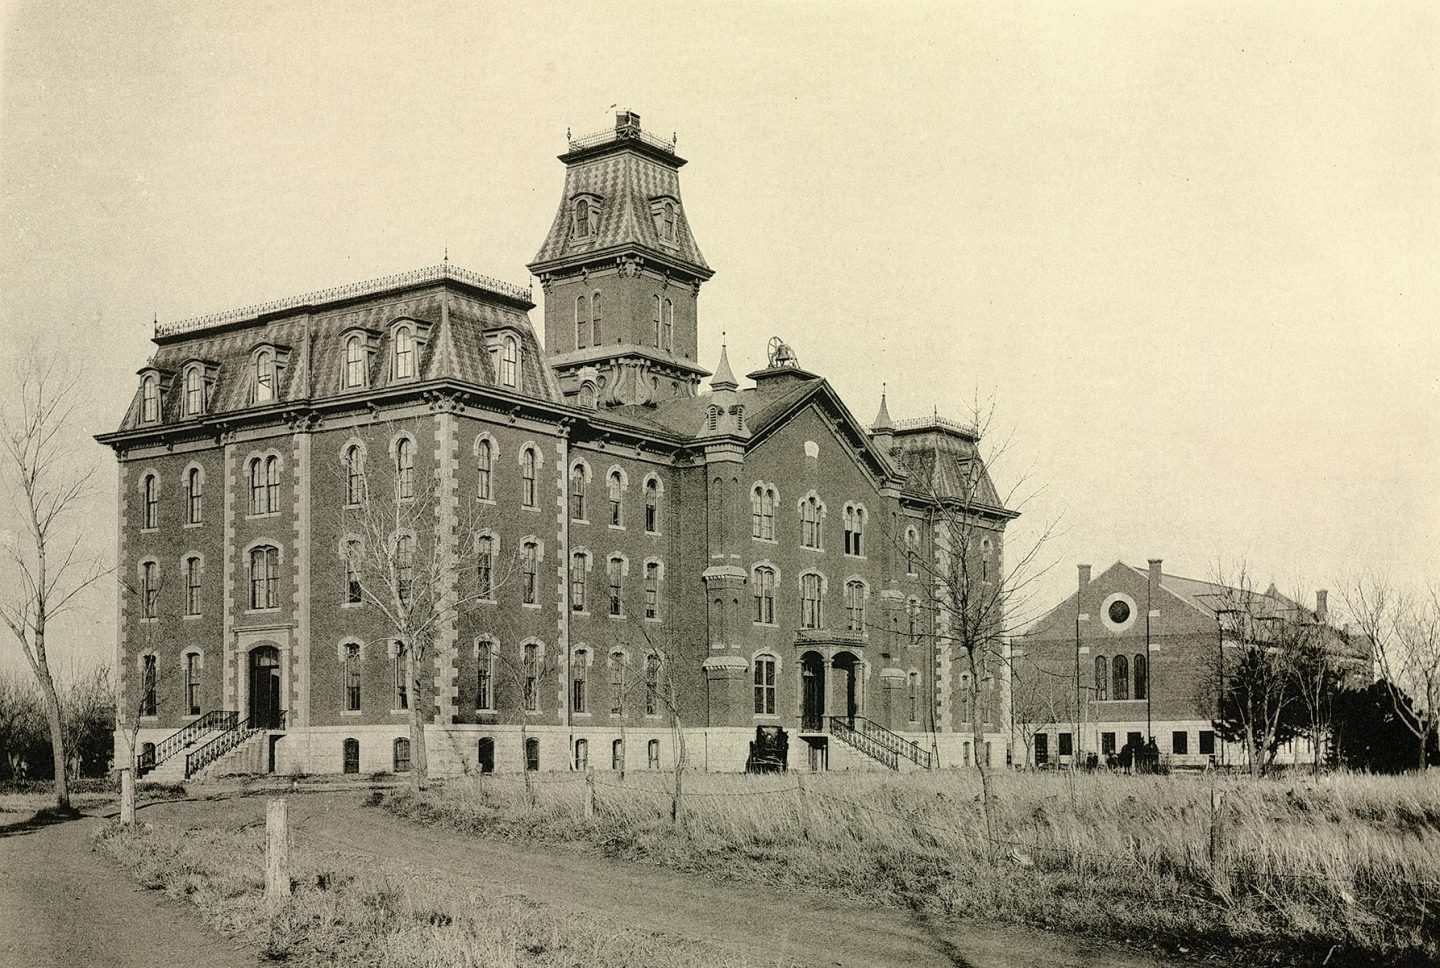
1187, 250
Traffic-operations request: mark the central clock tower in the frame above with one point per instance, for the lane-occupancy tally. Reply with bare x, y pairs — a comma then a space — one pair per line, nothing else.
621, 273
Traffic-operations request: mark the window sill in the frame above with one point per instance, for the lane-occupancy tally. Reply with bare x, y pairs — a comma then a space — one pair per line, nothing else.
153, 717
485, 500
534, 605
765, 625
653, 534
530, 507
262, 515
149, 530
818, 551
620, 615
579, 521
653, 618
617, 527
352, 604
399, 712
150, 620
194, 524
263, 611
485, 711
191, 618
350, 712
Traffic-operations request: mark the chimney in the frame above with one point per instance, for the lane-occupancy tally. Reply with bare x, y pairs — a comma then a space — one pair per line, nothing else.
1155, 573
1084, 576
627, 124
1322, 606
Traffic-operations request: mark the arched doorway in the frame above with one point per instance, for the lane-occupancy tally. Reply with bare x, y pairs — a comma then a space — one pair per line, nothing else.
812, 692
351, 756
848, 688
265, 706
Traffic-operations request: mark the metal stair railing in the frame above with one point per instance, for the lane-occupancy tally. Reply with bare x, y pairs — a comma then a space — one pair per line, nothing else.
902, 746
237, 733
841, 729
183, 737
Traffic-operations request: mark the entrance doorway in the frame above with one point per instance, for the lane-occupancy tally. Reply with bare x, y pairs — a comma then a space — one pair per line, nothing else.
812, 692
265, 687
847, 666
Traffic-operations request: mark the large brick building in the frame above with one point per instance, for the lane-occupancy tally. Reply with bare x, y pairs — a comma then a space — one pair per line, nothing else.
753, 546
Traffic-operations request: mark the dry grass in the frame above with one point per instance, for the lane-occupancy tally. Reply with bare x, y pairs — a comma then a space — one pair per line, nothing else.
1346, 866
345, 911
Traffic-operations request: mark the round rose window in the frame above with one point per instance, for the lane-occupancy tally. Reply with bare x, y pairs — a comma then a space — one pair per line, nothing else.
1119, 612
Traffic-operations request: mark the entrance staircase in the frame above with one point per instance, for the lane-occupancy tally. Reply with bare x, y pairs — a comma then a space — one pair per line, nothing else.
216, 743
876, 744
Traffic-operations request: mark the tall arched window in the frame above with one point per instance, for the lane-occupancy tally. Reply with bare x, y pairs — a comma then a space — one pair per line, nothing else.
529, 571
652, 506
532, 755
668, 332
1120, 677
1102, 678
272, 485
149, 677
402, 677
765, 685
912, 552
652, 589
264, 389
582, 755
617, 683
402, 755
484, 458
577, 493
615, 571
404, 468
595, 330
350, 756
582, 219
652, 754
194, 391
404, 567
913, 681
613, 488
580, 682
485, 566
354, 362
352, 677
617, 755
579, 565
652, 685
912, 617
582, 322
810, 533
265, 577
812, 603
149, 588
855, 605
150, 399
531, 696
486, 754
655, 322
192, 585
1142, 676
404, 353
354, 592
192, 683
509, 362
194, 490
354, 475
257, 486
854, 530
762, 513
150, 512
764, 580
527, 477
484, 674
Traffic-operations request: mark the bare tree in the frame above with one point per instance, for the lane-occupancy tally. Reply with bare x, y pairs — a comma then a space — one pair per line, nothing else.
1315, 669
1039, 699
1402, 630
523, 678
47, 478
420, 558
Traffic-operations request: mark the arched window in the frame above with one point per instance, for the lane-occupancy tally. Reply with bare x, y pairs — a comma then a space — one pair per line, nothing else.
1120, 678
765, 685
352, 677
712, 417
578, 562
812, 603
150, 398
404, 469
582, 755
652, 754
615, 571
652, 685
404, 353
484, 459
531, 696
150, 513
613, 488
855, 605
192, 585
257, 486
527, 477
617, 683
402, 678
354, 475
484, 674
264, 389
764, 582
149, 677
655, 322
595, 333
617, 755
353, 590
149, 588
580, 682
582, 322
912, 616
404, 567
485, 566
854, 530
265, 577
652, 506
1142, 676
652, 589
913, 682
1102, 678
912, 552
354, 362
810, 533
529, 566
666, 220
272, 485
194, 487
194, 391
582, 218
669, 329
509, 362
577, 493
486, 754
532, 755
402, 755
762, 525
350, 756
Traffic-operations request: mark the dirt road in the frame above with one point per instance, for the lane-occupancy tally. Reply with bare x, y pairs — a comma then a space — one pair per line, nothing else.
62, 906
769, 924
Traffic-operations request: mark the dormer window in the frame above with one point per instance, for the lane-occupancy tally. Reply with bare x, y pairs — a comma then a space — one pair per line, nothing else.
194, 391
404, 353
264, 376
667, 219
354, 362
587, 218
509, 362
149, 400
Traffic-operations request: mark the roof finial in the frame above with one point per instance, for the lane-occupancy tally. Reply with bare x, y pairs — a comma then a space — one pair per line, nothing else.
447, 254
724, 378
882, 418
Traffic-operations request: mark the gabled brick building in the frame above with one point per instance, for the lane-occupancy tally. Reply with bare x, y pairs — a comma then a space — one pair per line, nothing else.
750, 545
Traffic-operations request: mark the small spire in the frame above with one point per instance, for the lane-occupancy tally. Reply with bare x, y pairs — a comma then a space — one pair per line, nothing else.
882, 419
724, 379
447, 255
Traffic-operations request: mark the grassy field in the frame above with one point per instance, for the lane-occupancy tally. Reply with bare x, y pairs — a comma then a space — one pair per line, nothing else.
1343, 866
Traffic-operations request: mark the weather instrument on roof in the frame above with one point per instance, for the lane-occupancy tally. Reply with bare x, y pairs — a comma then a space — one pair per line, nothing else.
781, 354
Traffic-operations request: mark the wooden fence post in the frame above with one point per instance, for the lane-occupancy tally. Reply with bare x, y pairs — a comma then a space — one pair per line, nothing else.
277, 849
589, 794
804, 805
1219, 875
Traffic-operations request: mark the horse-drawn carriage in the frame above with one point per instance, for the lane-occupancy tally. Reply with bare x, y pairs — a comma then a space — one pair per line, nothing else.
769, 751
